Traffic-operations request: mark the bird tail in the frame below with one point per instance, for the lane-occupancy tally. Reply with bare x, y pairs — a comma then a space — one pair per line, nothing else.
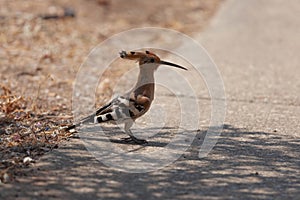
88, 119
118, 115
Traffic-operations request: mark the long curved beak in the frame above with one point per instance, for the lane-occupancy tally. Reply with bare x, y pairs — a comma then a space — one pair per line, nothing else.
172, 64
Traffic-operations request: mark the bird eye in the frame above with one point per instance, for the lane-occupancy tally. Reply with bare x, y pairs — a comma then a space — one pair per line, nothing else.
152, 60
147, 52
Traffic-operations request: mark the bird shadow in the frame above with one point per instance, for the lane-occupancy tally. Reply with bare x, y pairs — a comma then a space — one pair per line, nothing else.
161, 138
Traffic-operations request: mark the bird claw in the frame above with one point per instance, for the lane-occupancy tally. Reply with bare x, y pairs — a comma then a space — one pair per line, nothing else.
135, 140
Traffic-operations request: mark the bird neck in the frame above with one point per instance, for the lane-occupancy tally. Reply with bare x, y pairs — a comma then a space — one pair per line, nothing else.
145, 85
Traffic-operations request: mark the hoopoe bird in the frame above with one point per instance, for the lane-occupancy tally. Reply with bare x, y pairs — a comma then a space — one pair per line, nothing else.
135, 103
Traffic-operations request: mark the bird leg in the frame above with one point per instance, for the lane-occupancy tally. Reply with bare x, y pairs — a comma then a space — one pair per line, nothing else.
131, 136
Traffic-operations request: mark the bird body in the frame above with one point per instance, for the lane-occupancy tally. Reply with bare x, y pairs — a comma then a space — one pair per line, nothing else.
135, 103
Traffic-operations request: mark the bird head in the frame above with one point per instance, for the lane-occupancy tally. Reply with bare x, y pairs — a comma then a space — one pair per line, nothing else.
147, 57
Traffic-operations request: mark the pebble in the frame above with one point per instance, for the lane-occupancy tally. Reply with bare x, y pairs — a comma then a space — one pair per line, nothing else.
6, 178
27, 160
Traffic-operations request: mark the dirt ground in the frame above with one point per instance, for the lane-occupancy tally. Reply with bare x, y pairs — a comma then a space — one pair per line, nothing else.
43, 43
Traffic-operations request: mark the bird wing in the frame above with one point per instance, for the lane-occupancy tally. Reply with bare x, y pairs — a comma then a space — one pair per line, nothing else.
116, 110
120, 109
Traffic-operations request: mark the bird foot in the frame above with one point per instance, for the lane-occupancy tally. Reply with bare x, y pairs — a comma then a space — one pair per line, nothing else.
135, 140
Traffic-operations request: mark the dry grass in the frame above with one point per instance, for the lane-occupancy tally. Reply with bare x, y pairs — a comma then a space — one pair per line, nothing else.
39, 60
25, 133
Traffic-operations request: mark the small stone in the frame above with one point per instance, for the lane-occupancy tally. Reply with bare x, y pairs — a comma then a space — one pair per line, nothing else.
27, 160
6, 178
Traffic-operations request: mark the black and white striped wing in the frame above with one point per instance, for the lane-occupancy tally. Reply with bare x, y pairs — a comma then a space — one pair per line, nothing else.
118, 110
